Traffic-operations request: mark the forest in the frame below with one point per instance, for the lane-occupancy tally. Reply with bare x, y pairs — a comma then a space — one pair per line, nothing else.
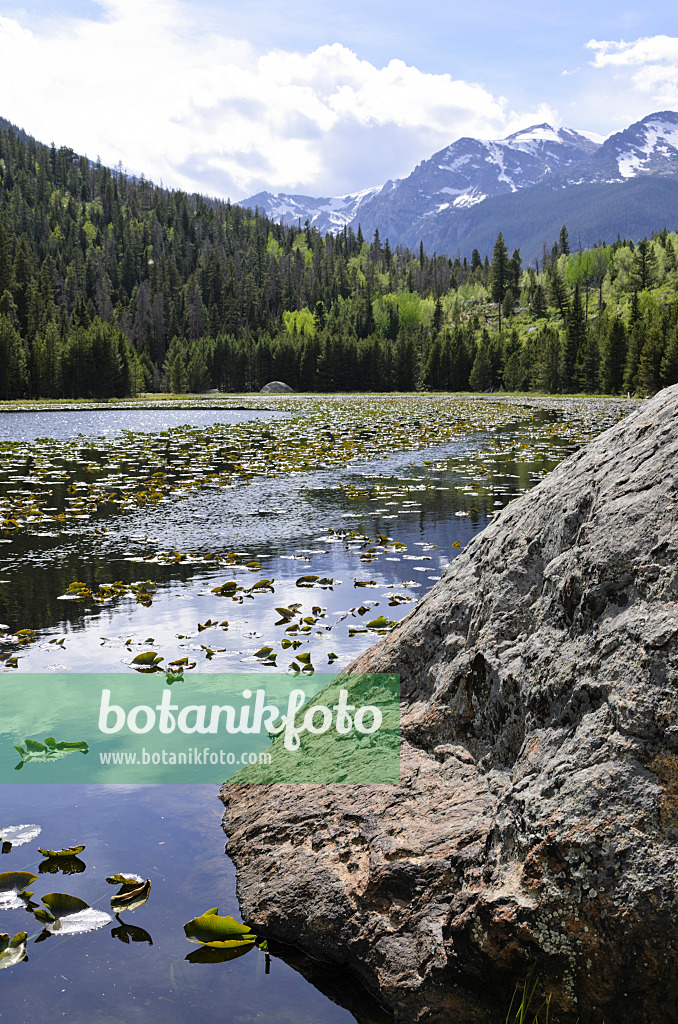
111, 286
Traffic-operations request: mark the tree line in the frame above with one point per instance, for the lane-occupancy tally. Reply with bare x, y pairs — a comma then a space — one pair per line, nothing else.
110, 286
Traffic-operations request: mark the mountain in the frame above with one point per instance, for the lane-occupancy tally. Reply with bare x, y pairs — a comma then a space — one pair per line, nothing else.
526, 185
325, 214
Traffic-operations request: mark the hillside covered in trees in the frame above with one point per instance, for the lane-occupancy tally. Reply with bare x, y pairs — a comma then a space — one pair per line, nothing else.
111, 286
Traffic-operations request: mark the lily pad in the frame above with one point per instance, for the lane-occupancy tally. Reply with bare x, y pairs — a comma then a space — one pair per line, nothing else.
68, 915
122, 879
211, 929
13, 893
147, 658
12, 951
131, 896
70, 851
49, 751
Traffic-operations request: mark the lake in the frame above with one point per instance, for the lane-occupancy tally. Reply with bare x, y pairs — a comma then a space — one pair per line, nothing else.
118, 529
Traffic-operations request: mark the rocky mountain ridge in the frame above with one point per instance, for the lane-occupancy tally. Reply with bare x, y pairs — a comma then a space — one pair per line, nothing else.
446, 199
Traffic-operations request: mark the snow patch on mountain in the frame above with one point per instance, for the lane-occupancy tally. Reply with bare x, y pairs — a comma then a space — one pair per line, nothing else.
660, 140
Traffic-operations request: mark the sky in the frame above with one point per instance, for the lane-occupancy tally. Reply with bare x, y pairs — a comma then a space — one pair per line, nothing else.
322, 98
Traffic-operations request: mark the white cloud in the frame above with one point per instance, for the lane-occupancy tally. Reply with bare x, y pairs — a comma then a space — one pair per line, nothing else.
651, 63
150, 87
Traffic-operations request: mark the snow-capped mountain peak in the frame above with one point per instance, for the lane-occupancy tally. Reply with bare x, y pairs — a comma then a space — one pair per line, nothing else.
474, 182
648, 145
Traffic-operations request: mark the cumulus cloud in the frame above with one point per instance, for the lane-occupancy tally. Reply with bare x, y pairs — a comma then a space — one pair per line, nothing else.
651, 63
147, 85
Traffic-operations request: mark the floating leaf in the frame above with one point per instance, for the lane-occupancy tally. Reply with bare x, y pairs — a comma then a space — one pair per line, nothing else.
147, 658
131, 895
286, 614
226, 589
307, 581
122, 879
12, 888
49, 751
12, 951
211, 929
381, 623
263, 652
71, 851
263, 585
68, 915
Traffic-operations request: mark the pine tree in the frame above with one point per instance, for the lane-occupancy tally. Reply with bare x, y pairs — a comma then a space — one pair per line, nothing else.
651, 358
499, 272
564, 242
644, 265
547, 372
538, 304
481, 371
575, 337
669, 366
587, 366
558, 293
613, 359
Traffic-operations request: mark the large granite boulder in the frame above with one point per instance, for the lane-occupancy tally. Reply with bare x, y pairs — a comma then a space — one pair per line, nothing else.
276, 387
537, 817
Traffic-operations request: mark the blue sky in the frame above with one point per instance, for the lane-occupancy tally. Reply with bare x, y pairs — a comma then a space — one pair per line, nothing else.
318, 97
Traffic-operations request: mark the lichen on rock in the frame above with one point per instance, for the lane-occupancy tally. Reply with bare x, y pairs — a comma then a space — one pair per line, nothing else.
536, 821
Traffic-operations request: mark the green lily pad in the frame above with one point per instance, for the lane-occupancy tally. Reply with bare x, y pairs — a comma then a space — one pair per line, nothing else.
68, 915
381, 623
147, 658
211, 929
12, 951
121, 879
70, 851
13, 888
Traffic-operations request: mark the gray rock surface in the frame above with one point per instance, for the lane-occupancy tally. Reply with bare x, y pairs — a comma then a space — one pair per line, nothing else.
276, 387
537, 816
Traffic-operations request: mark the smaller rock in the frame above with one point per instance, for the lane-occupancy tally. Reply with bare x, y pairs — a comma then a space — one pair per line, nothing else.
276, 387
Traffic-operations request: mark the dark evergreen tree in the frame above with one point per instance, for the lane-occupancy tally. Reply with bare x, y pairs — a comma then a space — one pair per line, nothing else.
613, 358
499, 273
644, 265
574, 341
